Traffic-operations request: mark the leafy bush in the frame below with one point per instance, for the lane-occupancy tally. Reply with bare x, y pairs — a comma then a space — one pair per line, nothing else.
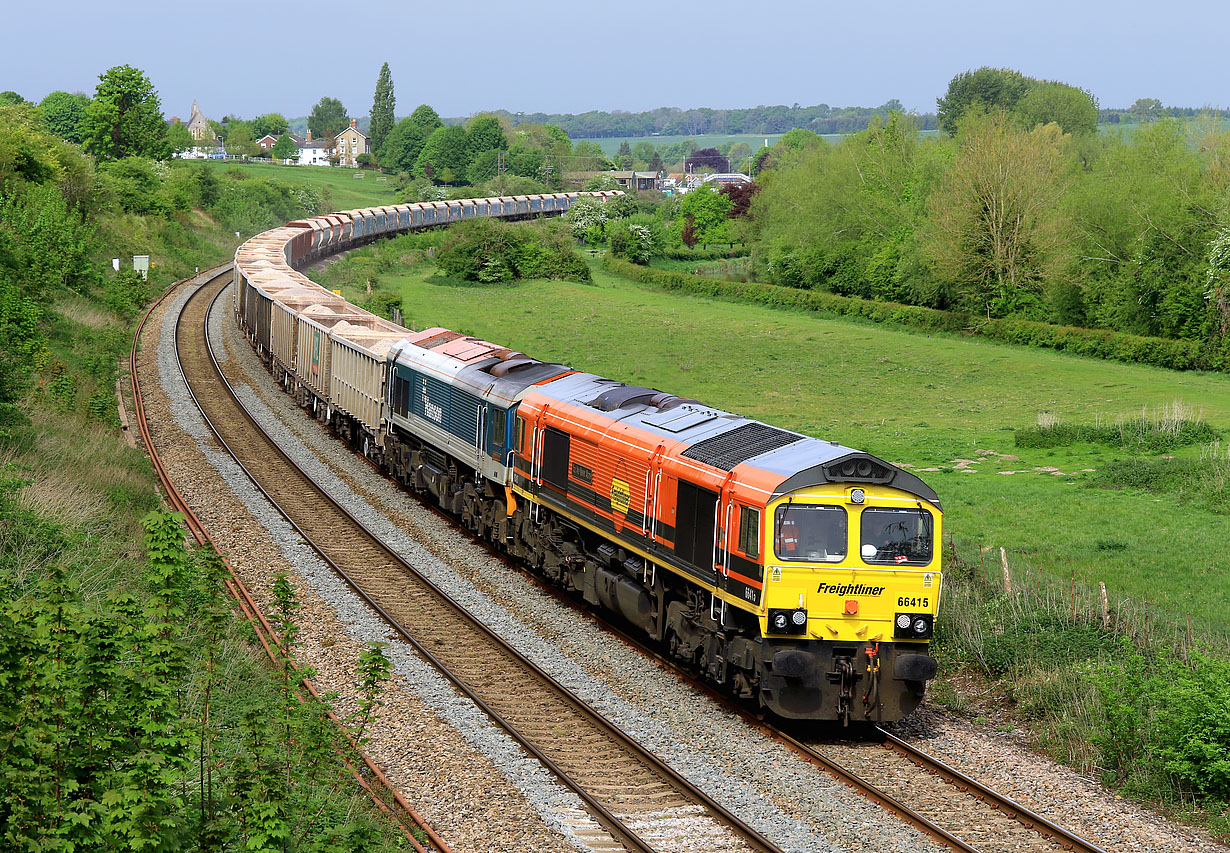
632, 242
489, 251
126, 293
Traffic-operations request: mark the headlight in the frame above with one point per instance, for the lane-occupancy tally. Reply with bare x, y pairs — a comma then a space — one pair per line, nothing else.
913, 626
787, 620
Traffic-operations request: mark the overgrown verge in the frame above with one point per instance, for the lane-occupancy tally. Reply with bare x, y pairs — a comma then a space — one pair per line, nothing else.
1095, 343
1141, 704
1156, 432
134, 713
138, 718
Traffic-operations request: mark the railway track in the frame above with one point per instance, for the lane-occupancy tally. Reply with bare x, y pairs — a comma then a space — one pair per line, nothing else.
637, 801
421, 836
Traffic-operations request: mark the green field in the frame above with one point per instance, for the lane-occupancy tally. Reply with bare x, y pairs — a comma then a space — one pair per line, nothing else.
345, 190
922, 401
611, 144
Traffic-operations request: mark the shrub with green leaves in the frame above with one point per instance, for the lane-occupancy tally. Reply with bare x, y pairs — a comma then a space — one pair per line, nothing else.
489, 251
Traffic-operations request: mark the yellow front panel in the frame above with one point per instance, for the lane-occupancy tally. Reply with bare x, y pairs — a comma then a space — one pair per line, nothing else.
846, 598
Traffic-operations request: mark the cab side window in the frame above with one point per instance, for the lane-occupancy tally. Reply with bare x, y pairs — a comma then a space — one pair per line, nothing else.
749, 531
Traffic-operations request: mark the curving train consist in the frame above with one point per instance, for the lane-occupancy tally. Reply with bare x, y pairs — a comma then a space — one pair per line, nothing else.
796, 573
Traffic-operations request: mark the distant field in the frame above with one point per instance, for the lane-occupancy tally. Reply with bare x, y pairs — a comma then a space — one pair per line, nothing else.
611, 144
344, 188
926, 401
754, 140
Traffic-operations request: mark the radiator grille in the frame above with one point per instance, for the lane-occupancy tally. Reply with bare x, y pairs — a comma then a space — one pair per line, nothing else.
727, 450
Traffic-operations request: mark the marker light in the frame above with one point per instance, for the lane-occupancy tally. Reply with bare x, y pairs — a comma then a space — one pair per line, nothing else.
857, 496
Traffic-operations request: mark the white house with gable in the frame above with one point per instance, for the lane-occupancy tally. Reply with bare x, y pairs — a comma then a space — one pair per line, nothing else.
313, 152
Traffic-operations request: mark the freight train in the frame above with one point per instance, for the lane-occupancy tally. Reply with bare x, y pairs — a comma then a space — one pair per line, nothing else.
797, 574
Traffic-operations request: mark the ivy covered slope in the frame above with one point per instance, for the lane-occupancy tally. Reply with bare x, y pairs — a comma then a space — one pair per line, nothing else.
135, 712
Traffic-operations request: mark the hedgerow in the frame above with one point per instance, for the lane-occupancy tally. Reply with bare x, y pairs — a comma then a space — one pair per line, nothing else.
1095, 343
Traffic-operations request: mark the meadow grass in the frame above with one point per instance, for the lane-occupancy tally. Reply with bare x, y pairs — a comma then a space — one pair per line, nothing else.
346, 191
944, 405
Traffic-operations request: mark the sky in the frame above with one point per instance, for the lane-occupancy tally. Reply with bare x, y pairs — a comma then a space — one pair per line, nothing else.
463, 57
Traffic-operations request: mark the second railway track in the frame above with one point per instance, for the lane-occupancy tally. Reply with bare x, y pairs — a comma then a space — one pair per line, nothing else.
639, 800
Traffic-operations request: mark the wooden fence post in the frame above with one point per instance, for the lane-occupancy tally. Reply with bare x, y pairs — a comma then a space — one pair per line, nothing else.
1003, 559
1105, 606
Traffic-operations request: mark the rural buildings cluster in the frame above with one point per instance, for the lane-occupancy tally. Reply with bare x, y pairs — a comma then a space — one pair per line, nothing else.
344, 149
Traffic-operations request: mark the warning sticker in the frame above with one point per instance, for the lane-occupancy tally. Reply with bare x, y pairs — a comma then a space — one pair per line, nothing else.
621, 496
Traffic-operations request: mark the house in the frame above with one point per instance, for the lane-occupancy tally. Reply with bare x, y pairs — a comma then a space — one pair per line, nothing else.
313, 152
352, 142
633, 181
267, 141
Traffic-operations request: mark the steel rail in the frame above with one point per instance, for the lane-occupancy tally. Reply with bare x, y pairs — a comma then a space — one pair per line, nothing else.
999, 802
611, 822
247, 604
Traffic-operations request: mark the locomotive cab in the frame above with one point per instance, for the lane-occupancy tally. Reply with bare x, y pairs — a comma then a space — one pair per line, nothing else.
852, 586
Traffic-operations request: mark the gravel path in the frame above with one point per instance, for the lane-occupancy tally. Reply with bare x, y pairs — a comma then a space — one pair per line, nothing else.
797, 806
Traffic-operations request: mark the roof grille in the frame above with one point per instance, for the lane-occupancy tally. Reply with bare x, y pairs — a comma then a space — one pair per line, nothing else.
439, 339
729, 449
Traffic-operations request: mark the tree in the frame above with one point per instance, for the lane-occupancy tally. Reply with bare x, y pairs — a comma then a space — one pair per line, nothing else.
179, 138
239, 139
623, 157
589, 157
11, 99
64, 114
1146, 109
987, 89
643, 151
705, 210
328, 118
484, 133
382, 109
285, 148
741, 196
997, 230
443, 158
707, 159
1073, 109
125, 117
270, 124
426, 119
402, 146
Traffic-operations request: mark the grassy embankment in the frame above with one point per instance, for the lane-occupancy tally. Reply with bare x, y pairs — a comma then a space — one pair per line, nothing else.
345, 190
72, 499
